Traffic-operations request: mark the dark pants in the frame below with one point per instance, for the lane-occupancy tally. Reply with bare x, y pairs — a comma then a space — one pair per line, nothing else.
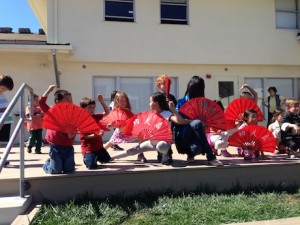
5, 132
193, 139
292, 142
35, 139
90, 159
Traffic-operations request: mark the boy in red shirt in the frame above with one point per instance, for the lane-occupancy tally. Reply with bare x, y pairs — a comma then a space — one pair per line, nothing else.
91, 144
61, 144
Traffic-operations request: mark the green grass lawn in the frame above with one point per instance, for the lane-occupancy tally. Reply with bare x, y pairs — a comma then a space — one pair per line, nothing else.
151, 208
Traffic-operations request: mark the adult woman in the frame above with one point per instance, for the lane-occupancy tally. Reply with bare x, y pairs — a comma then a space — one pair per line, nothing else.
272, 102
191, 139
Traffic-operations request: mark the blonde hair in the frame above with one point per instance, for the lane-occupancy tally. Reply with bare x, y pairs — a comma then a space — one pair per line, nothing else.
291, 101
119, 95
161, 79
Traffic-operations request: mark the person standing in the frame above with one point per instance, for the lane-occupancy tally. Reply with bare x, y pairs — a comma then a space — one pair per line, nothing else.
272, 102
6, 84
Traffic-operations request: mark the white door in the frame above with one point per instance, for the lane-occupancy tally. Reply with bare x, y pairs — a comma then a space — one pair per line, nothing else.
226, 89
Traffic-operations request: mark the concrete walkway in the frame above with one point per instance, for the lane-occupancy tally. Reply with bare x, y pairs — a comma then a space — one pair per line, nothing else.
287, 221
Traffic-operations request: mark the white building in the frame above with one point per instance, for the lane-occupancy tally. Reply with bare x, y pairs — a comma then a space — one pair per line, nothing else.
106, 45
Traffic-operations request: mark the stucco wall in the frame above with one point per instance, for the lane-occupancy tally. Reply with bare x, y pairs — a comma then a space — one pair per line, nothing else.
220, 32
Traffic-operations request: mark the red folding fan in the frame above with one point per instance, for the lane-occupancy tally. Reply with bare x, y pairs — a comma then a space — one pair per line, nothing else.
149, 126
235, 111
206, 110
117, 118
69, 118
253, 137
168, 86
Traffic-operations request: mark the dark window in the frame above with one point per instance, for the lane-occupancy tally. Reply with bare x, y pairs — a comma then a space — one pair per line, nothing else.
225, 89
173, 11
119, 10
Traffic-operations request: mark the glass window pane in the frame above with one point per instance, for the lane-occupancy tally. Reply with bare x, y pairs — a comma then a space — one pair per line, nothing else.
104, 86
138, 91
298, 88
119, 11
286, 20
285, 5
226, 92
176, 12
284, 86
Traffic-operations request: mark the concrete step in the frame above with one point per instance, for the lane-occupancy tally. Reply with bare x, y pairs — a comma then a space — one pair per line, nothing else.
11, 207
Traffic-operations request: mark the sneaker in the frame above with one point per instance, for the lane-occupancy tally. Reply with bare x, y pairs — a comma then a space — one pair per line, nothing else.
190, 159
215, 162
248, 155
141, 158
291, 154
117, 147
29, 150
240, 152
38, 151
165, 160
225, 153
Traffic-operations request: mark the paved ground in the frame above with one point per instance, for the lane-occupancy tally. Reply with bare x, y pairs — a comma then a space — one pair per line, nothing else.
34, 162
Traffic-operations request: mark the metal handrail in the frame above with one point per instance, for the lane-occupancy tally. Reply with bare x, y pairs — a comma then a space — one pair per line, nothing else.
20, 126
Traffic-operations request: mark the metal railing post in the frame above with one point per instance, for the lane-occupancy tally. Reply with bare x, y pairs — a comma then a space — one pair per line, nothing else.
22, 158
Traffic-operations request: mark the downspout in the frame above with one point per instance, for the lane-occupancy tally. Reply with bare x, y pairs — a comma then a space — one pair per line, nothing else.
55, 68
53, 34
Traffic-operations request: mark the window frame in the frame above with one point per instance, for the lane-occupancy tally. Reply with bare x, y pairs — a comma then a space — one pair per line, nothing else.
291, 12
177, 21
120, 18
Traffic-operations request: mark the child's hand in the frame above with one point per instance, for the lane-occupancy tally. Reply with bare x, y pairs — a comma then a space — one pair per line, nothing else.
71, 136
100, 98
171, 106
51, 87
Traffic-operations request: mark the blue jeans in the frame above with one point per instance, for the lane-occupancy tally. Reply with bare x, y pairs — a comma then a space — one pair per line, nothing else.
61, 160
90, 159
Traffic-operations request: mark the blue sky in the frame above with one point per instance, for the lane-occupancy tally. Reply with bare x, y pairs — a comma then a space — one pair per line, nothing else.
17, 14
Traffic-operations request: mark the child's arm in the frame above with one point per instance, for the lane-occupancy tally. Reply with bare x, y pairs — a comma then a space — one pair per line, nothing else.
104, 106
252, 91
44, 97
176, 118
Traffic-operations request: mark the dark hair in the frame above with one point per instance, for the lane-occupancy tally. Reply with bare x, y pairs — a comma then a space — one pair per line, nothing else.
220, 104
113, 95
86, 101
195, 87
272, 88
276, 113
7, 81
33, 96
59, 95
248, 113
160, 98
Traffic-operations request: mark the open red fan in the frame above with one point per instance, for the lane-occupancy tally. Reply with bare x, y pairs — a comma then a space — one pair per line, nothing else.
168, 86
117, 118
149, 125
253, 137
206, 110
235, 111
69, 118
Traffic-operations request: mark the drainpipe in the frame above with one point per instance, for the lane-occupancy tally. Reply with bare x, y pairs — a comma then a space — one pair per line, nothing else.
55, 68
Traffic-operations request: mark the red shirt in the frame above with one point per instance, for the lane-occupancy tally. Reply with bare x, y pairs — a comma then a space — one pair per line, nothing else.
37, 119
52, 136
89, 145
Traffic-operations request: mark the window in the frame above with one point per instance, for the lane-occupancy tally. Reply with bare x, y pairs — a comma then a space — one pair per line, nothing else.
287, 14
119, 10
173, 12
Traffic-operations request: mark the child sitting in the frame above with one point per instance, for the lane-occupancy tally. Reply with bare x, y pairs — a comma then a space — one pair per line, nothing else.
250, 118
290, 127
91, 144
61, 144
274, 127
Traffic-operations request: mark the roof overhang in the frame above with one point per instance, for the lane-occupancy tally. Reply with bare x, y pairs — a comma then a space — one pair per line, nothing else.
39, 8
